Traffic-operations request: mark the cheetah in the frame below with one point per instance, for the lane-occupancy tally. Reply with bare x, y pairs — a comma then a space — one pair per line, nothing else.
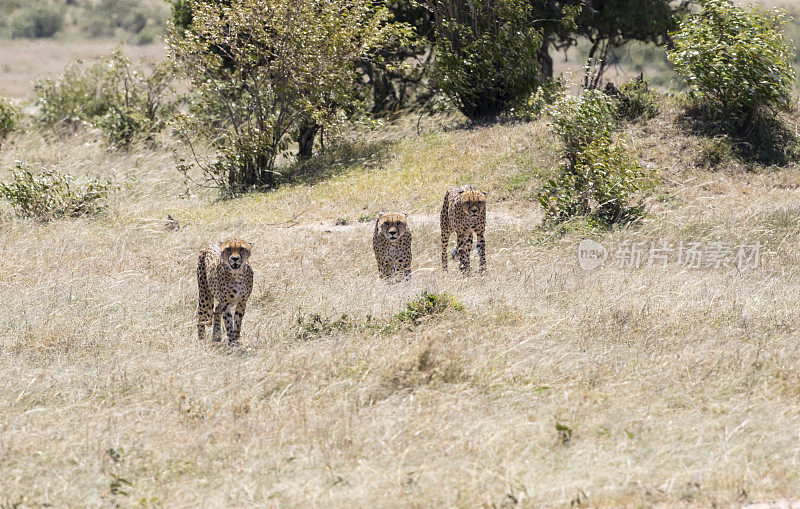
464, 212
223, 275
391, 242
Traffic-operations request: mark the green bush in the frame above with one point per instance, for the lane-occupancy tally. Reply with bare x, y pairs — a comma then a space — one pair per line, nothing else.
46, 194
428, 304
486, 54
580, 120
735, 59
36, 22
634, 99
598, 179
9, 118
602, 185
126, 102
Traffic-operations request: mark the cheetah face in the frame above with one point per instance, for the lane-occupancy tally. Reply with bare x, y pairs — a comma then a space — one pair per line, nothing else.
235, 254
393, 226
473, 203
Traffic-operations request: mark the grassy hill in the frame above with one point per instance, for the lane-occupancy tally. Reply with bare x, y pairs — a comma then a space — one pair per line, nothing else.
548, 385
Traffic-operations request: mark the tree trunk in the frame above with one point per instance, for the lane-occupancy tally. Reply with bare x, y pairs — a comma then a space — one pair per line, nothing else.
545, 59
305, 139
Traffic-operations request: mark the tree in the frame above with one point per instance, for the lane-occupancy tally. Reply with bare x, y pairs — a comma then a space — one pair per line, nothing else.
607, 24
262, 67
486, 54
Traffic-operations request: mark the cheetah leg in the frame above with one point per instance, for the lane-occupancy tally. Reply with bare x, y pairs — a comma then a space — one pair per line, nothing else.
464, 248
481, 244
237, 324
230, 327
445, 240
216, 335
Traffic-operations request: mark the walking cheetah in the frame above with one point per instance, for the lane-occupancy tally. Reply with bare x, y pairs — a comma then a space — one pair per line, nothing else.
464, 212
391, 242
224, 276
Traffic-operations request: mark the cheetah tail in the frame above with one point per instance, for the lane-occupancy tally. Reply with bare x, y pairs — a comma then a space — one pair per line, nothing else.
202, 275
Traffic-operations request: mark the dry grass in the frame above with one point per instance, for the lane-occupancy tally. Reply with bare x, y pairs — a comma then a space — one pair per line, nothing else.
553, 387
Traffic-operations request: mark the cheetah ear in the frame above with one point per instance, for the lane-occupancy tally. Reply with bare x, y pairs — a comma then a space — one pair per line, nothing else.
405, 215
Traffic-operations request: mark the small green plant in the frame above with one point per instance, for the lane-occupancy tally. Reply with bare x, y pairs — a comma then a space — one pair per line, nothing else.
313, 325
46, 194
635, 99
564, 433
428, 304
598, 179
9, 118
735, 59
39, 21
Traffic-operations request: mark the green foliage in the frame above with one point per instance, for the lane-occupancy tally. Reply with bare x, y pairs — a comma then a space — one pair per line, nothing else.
126, 102
599, 185
313, 325
634, 99
597, 179
37, 21
46, 194
262, 67
486, 54
428, 304
735, 59
9, 118
580, 120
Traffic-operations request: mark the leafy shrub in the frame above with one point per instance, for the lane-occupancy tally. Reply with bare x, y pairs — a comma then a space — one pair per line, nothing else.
126, 102
47, 194
735, 59
9, 118
580, 120
597, 179
36, 22
428, 304
600, 185
486, 54
634, 99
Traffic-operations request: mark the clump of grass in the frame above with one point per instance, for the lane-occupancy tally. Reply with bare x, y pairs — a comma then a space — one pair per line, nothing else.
313, 325
47, 194
428, 304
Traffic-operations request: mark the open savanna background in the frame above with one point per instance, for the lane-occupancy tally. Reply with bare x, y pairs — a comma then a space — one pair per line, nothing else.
540, 384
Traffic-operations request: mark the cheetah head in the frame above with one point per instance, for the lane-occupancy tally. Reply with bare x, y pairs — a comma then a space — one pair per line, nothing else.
235, 253
473, 203
392, 225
